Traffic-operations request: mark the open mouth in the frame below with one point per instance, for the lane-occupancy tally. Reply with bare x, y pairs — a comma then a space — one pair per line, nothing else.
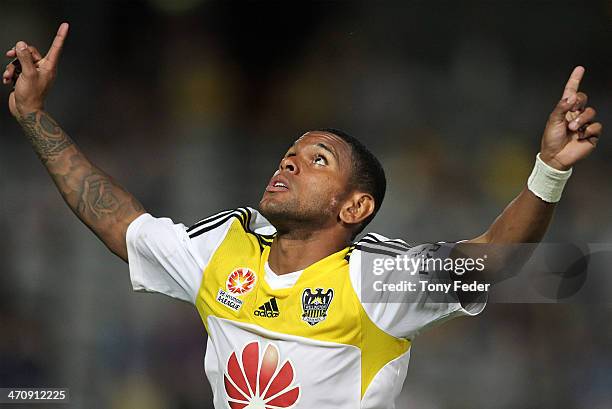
277, 184
277, 187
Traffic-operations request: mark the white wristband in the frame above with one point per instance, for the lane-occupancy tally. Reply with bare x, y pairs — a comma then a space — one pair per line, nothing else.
546, 182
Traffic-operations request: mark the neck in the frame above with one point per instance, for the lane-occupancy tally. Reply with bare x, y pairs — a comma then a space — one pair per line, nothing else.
293, 251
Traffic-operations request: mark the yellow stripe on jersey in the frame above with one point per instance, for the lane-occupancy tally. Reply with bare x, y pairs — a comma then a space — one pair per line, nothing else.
343, 322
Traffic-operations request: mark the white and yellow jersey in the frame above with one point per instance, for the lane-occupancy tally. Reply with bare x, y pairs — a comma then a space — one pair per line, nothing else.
299, 340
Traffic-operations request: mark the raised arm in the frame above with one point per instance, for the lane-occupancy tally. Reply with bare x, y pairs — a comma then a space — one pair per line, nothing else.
100, 202
570, 135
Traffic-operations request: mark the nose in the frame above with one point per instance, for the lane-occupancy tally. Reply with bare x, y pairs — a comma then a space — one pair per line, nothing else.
289, 164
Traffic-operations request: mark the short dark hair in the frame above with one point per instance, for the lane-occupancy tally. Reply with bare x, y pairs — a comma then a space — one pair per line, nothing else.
368, 174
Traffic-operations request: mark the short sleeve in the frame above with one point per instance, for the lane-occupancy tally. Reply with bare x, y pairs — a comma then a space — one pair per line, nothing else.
169, 258
395, 293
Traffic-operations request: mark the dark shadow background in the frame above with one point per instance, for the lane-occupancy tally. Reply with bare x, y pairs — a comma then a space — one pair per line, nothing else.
190, 104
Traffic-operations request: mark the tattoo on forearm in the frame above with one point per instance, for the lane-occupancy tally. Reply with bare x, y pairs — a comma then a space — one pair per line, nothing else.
97, 197
94, 196
45, 135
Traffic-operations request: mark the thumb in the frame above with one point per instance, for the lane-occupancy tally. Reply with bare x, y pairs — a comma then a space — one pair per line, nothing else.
557, 116
25, 58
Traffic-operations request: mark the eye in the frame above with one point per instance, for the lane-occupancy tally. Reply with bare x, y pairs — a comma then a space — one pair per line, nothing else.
319, 160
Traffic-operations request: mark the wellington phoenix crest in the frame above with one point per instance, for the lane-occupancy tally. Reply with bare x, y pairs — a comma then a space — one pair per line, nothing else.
260, 381
315, 305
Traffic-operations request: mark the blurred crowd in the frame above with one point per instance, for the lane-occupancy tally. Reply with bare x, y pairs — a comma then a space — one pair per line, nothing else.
190, 104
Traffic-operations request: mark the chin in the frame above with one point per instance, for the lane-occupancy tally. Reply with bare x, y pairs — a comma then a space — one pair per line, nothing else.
271, 209
278, 213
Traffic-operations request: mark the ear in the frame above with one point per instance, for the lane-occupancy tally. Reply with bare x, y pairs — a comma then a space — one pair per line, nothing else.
357, 207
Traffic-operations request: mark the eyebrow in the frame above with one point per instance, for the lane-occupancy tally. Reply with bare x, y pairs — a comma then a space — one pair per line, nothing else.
327, 148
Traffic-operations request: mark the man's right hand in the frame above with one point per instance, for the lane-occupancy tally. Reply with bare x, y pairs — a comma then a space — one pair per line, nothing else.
38, 73
100, 202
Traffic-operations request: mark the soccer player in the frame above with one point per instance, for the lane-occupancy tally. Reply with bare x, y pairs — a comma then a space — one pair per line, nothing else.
279, 288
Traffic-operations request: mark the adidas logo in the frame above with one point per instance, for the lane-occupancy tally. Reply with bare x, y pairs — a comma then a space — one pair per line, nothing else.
269, 309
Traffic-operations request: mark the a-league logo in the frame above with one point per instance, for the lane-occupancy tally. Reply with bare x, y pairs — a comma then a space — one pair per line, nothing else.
241, 281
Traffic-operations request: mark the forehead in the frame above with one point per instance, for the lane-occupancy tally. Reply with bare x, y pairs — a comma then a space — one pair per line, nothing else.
327, 138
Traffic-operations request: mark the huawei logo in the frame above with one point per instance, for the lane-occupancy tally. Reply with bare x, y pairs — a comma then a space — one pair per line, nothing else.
253, 381
240, 281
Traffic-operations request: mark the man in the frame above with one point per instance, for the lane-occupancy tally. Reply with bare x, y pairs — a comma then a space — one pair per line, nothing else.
280, 289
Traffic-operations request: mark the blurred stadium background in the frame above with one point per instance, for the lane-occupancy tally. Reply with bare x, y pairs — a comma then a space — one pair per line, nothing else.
190, 104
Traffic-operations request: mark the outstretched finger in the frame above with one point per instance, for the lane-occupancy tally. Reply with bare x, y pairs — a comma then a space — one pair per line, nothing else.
11, 53
58, 42
25, 58
571, 87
